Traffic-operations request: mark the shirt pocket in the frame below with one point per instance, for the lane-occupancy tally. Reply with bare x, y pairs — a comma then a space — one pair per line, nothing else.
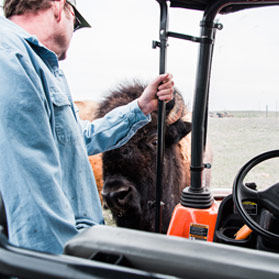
63, 118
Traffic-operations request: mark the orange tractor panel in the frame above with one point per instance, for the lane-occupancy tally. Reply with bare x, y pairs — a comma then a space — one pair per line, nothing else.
194, 223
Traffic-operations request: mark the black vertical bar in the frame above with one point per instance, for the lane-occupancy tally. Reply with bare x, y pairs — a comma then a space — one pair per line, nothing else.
199, 120
200, 105
207, 101
161, 114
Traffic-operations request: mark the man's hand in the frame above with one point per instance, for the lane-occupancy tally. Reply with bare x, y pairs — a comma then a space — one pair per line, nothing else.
161, 88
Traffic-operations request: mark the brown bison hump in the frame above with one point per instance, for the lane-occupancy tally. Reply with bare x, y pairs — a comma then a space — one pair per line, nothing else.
127, 92
122, 95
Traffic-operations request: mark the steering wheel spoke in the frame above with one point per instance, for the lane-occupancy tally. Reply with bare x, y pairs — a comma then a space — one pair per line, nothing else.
269, 199
248, 194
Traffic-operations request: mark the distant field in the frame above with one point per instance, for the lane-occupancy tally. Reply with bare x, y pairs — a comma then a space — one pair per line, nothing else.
237, 139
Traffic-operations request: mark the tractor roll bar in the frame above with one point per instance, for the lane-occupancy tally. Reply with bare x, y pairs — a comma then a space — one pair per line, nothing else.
161, 112
200, 104
192, 195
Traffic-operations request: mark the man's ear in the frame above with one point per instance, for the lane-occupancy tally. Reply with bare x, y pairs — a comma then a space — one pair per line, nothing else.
58, 6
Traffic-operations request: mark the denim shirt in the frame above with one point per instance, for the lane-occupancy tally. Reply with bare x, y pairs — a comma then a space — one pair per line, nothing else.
46, 180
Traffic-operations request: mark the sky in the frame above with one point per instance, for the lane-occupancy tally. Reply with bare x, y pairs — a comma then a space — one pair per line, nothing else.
118, 48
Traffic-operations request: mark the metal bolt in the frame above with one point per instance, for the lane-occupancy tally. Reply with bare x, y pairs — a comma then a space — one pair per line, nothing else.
207, 166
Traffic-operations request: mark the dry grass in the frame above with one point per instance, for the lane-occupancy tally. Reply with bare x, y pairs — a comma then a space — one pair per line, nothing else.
238, 139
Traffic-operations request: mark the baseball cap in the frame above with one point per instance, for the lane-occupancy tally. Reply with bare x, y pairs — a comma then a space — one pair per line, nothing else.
80, 20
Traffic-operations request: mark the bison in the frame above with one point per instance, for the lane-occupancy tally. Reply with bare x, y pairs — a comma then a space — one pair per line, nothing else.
86, 111
129, 173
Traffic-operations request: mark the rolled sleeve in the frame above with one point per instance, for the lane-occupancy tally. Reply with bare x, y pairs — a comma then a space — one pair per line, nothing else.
114, 129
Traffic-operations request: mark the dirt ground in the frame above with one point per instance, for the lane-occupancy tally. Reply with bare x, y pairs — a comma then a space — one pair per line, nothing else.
235, 140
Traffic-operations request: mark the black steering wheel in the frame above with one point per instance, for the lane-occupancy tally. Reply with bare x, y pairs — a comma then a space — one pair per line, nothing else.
268, 198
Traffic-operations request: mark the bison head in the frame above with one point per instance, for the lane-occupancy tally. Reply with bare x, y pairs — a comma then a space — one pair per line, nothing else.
129, 172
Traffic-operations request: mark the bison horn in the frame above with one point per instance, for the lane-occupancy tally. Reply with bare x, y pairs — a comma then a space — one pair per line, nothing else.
178, 111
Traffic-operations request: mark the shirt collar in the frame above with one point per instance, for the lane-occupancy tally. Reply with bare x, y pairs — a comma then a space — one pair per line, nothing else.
39, 48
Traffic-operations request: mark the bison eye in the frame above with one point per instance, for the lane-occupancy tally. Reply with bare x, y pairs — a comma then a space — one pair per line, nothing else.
151, 142
154, 142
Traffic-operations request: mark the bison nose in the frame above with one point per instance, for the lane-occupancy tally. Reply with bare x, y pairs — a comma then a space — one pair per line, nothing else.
116, 197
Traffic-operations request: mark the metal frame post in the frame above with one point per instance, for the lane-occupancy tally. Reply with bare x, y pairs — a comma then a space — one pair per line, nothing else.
161, 113
200, 105
197, 196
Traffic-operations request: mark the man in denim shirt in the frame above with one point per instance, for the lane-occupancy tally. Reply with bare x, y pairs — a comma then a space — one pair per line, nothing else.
46, 181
